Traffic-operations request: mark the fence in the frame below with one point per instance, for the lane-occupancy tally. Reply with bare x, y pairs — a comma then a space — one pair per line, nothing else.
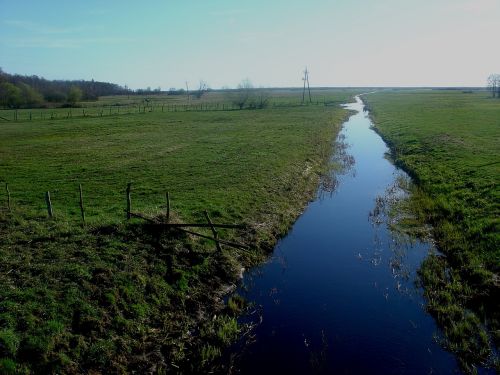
160, 223
114, 110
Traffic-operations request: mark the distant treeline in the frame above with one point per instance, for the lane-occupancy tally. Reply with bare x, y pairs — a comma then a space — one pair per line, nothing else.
18, 91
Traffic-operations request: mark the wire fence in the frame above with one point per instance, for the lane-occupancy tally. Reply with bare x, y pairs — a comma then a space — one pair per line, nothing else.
40, 114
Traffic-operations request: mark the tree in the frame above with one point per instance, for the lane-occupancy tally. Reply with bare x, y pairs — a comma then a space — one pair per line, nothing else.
201, 90
494, 84
55, 96
10, 95
261, 98
243, 94
30, 97
57, 90
75, 95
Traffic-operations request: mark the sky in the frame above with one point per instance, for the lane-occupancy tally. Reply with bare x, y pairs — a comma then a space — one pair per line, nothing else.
167, 43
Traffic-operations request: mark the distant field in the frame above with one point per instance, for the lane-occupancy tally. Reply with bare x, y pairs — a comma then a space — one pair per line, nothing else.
226, 161
127, 104
450, 142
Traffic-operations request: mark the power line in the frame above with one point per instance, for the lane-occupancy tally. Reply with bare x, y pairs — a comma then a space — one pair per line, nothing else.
306, 80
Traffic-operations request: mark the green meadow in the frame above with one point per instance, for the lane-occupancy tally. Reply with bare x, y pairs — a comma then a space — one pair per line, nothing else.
121, 295
449, 141
225, 161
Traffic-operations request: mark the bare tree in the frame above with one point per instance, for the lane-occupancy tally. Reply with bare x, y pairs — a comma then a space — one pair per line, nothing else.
246, 96
201, 90
494, 84
243, 94
260, 99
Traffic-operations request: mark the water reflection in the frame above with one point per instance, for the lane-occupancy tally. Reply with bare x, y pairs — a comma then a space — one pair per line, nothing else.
339, 294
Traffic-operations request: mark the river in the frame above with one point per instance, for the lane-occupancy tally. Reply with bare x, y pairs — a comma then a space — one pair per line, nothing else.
339, 294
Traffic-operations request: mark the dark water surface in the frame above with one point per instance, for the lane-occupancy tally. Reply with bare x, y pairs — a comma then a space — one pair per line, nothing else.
339, 296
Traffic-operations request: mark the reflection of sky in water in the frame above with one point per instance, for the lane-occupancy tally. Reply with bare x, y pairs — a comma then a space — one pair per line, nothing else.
338, 295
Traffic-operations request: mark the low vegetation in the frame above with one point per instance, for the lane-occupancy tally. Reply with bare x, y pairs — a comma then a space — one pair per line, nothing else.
126, 296
449, 141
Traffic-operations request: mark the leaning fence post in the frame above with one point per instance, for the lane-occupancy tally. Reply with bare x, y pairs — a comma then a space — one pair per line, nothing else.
8, 195
214, 231
167, 195
82, 210
128, 200
49, 204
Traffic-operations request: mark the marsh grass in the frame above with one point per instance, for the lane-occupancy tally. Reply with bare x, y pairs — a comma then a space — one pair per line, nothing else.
448, 142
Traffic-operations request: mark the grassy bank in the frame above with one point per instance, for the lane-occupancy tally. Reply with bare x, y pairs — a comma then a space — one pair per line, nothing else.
125, 296
449, 143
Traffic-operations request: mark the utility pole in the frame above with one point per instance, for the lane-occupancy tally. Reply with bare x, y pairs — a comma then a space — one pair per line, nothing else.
306, 80
187, 90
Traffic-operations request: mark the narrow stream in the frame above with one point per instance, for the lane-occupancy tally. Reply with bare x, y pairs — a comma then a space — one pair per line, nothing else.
338, 295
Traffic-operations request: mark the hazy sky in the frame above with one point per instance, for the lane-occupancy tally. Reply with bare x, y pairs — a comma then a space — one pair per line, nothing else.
165, 43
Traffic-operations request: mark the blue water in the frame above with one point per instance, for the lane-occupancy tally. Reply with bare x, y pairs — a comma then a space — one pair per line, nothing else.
338, 295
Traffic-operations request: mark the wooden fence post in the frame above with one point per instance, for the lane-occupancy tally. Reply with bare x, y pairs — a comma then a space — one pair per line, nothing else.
8, 195
128, 200
49, 204
82, 210
214, 231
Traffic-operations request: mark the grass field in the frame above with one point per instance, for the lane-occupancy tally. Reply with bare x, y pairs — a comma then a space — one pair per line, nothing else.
128, 104
449, 141
123, 296
223, 161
